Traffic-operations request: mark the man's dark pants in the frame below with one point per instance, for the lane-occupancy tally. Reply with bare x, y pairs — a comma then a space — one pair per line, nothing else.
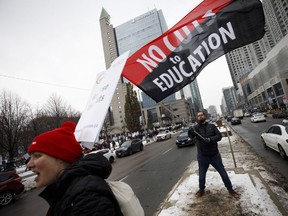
216, 162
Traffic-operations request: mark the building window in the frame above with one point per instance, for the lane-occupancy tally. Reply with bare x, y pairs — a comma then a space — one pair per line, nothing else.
278, 89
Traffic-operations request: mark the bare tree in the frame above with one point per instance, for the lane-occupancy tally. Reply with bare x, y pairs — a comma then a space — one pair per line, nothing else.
13, 119
40, 122
58, 110
37, 124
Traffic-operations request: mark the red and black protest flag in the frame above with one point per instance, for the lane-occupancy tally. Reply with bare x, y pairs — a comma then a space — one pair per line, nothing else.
175, 59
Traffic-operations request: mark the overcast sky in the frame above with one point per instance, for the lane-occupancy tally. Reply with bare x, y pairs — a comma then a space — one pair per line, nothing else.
54, 46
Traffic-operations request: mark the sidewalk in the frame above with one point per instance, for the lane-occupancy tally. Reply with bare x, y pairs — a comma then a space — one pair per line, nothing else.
262, 189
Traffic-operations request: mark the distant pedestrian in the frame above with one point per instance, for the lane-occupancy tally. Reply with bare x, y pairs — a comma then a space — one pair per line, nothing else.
206, 136
74, 184
113, 144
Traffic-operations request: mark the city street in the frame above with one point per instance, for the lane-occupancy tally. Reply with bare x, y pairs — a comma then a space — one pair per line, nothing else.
251, 132
151, 173
155, 171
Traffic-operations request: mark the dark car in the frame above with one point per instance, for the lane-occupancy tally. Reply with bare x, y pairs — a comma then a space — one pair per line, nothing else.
280, 114
235, 121
229, 118
10, 187
129, 147
184, 140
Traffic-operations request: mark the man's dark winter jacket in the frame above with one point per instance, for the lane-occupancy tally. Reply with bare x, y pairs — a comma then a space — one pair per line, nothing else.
210, 131
81, 190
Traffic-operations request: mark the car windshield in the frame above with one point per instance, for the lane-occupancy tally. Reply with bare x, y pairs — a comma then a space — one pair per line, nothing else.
183, 134
185, 129
258, 114
162, 132
126, 143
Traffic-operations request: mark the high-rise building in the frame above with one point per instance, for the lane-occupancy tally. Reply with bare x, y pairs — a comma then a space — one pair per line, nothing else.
212, 111
108, 39
244, 60
140, 30
132, 35
191, 92
230, 99
276, 13
116, 114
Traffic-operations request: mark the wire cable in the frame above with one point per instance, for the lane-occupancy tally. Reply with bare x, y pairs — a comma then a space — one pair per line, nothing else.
45, 83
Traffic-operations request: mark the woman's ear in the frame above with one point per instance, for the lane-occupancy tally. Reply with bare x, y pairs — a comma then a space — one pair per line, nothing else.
64, 164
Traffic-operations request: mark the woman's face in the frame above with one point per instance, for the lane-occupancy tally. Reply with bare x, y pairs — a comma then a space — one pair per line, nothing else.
46, 168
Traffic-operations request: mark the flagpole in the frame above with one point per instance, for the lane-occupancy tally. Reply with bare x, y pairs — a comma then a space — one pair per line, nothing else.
170, 111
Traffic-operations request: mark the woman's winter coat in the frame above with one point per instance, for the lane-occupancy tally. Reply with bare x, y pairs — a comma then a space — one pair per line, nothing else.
81, 190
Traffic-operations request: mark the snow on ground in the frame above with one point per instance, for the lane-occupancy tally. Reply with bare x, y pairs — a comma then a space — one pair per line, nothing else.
216, 201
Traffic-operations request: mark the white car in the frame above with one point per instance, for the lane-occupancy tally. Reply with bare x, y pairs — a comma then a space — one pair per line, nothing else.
163, 135
285, 121
108, 153
247, 114
258, 117
276, 138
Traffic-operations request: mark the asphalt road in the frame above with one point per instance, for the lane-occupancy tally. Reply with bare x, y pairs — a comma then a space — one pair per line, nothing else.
155, 179
251, 132
152, 174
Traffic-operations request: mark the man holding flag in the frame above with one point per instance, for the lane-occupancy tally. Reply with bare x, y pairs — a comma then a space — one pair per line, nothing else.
173, 60
206, 136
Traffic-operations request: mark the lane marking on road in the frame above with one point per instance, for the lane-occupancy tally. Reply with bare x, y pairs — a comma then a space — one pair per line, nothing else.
167, 151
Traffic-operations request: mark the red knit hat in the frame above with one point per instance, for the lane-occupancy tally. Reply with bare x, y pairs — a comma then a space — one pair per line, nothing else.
59, 143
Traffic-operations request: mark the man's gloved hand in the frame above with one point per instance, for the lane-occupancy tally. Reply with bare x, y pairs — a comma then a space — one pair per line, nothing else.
207, 139
191, 129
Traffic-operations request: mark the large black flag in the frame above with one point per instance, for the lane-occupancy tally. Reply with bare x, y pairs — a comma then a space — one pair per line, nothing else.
176, 58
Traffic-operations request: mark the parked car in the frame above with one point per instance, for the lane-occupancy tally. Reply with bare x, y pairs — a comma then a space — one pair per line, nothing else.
285, 121
276, 138
258, 117
229, 118
280, 114
108, 153
129, 147
247, 114
235, 121
11, 187
183, 129
184, 140
163, 135
264, 113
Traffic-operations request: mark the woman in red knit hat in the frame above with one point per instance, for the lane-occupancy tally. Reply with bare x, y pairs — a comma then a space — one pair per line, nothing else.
75, 185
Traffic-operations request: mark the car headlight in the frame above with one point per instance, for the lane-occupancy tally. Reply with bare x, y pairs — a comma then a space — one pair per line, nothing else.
189, 139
